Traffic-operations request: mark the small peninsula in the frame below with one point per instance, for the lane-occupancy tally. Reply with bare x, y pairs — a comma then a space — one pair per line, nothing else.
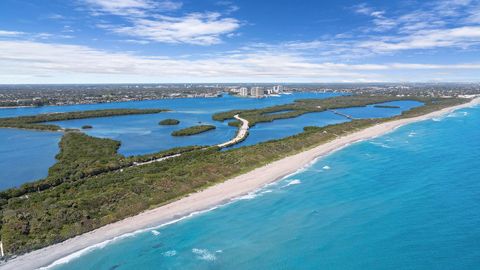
37, 122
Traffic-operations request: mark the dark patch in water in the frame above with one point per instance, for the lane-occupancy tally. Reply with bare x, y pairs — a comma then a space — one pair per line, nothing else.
114, 267
159, 245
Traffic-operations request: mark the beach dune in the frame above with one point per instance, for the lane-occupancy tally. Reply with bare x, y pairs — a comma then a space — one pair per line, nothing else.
208, 198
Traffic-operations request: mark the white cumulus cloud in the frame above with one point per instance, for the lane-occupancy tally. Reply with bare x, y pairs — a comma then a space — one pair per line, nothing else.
29, 61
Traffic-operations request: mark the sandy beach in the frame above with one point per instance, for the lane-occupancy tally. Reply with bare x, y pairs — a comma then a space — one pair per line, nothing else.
208, 198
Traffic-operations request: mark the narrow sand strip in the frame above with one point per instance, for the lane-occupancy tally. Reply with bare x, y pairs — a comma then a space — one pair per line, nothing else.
242, 133
209, 197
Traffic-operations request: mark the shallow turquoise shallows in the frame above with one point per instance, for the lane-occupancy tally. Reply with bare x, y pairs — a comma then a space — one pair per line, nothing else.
407, 200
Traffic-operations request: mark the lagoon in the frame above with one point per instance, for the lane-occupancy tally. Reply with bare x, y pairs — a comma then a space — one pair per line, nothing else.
26, 155
141, 134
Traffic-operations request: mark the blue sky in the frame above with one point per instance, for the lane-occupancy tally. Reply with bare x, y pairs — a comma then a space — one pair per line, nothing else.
159, 41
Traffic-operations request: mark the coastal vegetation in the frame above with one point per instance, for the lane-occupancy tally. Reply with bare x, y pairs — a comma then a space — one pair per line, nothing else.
83, 156
235, 123
169, 122
277, 112
193, 130
84, 201
37, 122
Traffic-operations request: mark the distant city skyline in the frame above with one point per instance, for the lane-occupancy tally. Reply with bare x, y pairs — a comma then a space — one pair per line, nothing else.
215, 41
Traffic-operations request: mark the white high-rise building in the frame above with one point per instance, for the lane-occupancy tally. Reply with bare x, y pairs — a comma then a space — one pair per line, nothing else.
278, 89
256, 91
243, 91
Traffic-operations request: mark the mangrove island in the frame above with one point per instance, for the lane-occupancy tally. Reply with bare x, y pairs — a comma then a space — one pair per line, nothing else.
169, 122
193, 130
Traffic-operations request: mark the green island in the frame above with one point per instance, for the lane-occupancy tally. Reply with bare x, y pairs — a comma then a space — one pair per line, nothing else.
387, 106
36, 122
90, 187
235, 123
189, 131
169, 122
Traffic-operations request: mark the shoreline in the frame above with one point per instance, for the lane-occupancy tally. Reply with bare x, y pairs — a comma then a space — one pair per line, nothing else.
208, 198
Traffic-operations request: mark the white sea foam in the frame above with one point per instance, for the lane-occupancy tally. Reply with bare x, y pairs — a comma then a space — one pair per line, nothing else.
271, 184
249, 196
438, 119
302, 169
169, 253
86, 250
380, 144
293, 182
457, 114
103, 244
450, 115
315, 170
204, 254
412, 134
326, 167
252, 195
155, 232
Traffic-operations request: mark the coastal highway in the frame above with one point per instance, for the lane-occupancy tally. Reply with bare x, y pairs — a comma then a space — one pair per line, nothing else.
242, 133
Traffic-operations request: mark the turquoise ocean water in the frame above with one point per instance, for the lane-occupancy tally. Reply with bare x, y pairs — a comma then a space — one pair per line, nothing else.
406, 200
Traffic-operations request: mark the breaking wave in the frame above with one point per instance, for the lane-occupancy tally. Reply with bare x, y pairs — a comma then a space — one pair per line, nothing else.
380, 144
204, 254
293, 182
169, 253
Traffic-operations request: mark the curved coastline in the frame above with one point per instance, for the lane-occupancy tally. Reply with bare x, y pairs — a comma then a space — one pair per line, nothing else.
208, 198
